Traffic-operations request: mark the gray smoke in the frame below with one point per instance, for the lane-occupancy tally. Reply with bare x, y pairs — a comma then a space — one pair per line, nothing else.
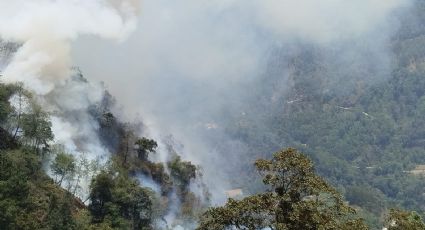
42, 31
187, 67
45, 29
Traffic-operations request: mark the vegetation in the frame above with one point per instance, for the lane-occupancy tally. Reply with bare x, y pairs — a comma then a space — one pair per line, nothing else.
398, 220
145, 146
298, 199
364, 132
120, 202
117, 199
62, 166
365, 138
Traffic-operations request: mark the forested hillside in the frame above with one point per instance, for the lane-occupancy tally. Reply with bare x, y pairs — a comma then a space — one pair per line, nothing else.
31, 199
236, 117
42, 186
365, 134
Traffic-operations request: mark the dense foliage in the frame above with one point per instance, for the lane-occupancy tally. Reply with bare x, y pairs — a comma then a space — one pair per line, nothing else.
363, 131
117, 196
30, 199
298, 199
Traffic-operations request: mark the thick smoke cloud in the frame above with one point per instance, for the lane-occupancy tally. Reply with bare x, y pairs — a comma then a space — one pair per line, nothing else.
326, 20
45, 29
187, 67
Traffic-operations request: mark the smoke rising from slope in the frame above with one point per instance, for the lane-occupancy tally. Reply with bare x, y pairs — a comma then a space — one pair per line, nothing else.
193, 64
190, 65
45, 29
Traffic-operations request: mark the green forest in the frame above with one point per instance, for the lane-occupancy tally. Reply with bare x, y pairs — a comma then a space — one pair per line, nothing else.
295, 196
321, 145
31, 199
365, 140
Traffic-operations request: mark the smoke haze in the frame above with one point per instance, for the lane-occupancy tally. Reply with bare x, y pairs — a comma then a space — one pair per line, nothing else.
185, 66
191, 64
45, 29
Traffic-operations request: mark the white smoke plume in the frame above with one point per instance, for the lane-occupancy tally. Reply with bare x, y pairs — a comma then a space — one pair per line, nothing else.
45, 29
149, 183
186, 67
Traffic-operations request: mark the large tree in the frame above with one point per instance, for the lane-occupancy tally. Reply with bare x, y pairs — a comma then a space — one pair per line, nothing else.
36, 127
63, 166
297, 199
120, 201
144, 147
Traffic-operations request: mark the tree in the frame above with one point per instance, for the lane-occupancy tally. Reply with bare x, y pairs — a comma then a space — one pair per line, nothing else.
85, 170
100, 194
6, 140
36, 127
119, 200
141, 208
297, 199
60, 213
181, 172
6, 91
29, 198
21, 97
127, 140
366, 197
145, 146
404, 220
63, 166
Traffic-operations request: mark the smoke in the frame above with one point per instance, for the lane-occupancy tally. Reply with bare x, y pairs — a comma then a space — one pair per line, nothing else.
44, 30
324, 21
193, 65
188, 67
149, 183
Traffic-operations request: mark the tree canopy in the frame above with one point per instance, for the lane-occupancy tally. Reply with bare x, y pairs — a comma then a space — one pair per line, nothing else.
297, 199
